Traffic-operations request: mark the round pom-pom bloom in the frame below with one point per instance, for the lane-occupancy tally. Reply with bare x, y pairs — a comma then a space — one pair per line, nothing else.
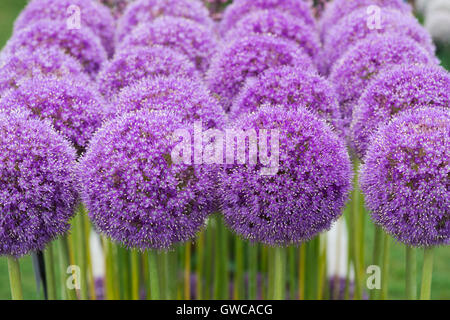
136, 63
37, 185
75, 13
248, 57
75, 107
357, 26
304, 187
239, 8
362, 62
338, 9
136, 192
405, 177
147, 10
189, 98
192, 39
81, 44
277, 23
405, 87
23, 65
289, 88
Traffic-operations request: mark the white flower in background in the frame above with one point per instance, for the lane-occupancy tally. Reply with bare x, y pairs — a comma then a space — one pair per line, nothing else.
438, 25
337, 251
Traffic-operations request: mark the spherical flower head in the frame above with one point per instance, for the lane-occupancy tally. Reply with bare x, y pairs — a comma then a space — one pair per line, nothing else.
91, 14
74, 107
189, 98
147, 10
248, 57
338, 9
403, 88
37, 193
405, 177
306, 192
81, 44
188, 37
277, 23
239, 8
356, 26
23, 65
362, 62
290, 89
133, 64
134, 190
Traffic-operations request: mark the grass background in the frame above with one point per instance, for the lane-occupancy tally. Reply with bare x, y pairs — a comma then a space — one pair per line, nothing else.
9, 9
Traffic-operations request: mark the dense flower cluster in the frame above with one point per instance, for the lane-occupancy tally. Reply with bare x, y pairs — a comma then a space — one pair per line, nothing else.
133, 64
405, 87
188, 98
37, 194
307, 193
133, 190
354, 70
74, 107
405, 177
248, 57
88, 14
278, 23
81, 44
147, 10
192, 39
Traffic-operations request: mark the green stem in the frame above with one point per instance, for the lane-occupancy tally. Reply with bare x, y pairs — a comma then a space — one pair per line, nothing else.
301, 272
239, 274
279, 266
253, 270
14, 278
427, 274
200, 264
411, 273
153, 275
82, 254
187, 271
65, 256
291, 272
50, 271
321, 268
209, 262
270, 272
377, 254
311, 283
385, 272
134, 274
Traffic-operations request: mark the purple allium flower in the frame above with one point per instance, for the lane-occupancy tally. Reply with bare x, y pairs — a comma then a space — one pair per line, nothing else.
81, 44
354, 27
277, 23
194, 40
248, 57
405, 177
289, 88
91, 14
37, 193
338, 9
307, 193
134, 191
239, 8
147, 10
189, 98
405, 87
361, 63
74, 107
24, 65
136, 63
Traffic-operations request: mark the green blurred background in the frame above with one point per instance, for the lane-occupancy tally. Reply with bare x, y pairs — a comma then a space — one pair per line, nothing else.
9, 9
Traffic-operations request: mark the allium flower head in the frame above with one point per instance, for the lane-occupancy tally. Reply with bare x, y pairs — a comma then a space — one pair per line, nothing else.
91, 15
147, 10
248, 57
277, 23
194, 40
133, 64
338, 9
74, 107
405, 177
239, 8
362, 62
134, 191
405, 87
289, 88
81, 44
37, 193
187, 97
356, 27
23, 65
307, 193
